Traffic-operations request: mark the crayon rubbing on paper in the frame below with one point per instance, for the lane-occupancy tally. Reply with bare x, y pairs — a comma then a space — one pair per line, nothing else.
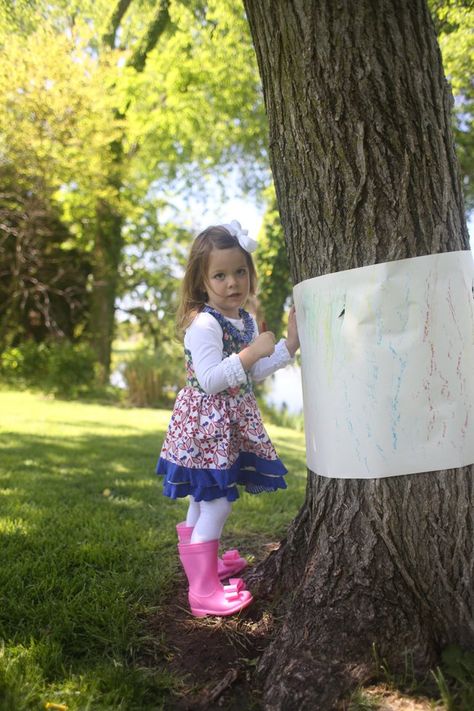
387, 366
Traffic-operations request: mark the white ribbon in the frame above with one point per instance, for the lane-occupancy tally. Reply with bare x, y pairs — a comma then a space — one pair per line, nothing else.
246, 242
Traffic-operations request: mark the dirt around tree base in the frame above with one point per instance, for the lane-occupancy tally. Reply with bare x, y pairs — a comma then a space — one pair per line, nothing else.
215, 657
213, 660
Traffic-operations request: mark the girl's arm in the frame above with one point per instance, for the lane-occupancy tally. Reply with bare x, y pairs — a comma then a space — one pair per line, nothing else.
213, 371
284, 353
216, 372
261, 347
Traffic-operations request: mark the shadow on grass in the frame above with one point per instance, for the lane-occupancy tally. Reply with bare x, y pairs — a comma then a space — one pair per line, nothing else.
87, 557
82, 526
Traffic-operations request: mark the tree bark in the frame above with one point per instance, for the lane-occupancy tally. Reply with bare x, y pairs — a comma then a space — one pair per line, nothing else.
107, 256
365, 172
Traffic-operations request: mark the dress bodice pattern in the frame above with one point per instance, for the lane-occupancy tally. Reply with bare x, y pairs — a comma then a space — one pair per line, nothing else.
233, 341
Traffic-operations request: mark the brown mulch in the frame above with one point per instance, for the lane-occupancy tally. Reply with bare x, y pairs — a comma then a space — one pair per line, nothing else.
213, 657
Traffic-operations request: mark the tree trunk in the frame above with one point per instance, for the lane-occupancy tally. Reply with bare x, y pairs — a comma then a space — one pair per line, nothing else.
109, 222
106, 261
365, 172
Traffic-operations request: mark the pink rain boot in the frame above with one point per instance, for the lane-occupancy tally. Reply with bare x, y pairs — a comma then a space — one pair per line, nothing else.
207, 595
231, 561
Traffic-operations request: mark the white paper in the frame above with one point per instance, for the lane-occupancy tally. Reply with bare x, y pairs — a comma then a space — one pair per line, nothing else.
388, 367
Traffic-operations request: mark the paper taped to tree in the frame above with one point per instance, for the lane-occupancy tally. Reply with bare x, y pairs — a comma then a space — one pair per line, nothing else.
388, 367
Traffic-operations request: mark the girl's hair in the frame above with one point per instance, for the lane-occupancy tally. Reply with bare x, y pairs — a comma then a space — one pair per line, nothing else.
193, 288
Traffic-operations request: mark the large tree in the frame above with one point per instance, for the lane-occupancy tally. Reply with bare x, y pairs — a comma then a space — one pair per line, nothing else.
365, 171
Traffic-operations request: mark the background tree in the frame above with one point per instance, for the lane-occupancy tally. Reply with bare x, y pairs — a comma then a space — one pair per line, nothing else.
454, 20
44, 262
154, 108
177, 103
43, 287
365, 172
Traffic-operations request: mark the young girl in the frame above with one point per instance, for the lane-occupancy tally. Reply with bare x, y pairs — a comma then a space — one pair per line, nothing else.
216, 439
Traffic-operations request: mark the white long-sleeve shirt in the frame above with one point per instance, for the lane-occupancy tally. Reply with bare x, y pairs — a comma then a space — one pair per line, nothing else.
216, 372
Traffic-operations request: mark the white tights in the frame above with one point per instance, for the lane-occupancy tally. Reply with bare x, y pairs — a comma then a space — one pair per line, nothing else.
208, 518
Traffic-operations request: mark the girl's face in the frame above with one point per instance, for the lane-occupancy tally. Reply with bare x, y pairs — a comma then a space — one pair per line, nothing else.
227, 281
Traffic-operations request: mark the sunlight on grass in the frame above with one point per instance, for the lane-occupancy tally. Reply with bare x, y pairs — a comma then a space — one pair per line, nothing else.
9, 526
88, 549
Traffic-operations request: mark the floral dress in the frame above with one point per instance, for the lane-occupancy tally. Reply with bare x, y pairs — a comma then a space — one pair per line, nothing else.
216, 442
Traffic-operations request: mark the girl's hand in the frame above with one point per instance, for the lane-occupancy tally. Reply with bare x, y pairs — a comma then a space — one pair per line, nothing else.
264, 344
292, 339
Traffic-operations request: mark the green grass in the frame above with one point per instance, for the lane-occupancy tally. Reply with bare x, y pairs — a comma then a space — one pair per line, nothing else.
87, 549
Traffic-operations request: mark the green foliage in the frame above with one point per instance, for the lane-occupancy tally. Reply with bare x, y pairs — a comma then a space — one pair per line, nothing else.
106, 119
150, 274
61, 367
55, 123
143, 379
273, 269
197, 106
54, 135
153, 378
69, 367
43, 283
24, 364
361, 701
280, 416
454, 20
455, 678
454, 682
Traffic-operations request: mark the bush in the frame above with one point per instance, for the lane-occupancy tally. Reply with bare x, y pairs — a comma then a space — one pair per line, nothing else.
60, 367
153, 378
71, 368
24, 364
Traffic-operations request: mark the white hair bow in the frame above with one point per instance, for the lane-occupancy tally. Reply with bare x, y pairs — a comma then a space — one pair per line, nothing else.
246, 242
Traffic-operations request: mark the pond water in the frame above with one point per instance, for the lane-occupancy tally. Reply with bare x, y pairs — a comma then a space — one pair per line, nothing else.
284, 389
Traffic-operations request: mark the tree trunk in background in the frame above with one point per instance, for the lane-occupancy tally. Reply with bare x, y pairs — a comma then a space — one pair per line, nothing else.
108, 244
365, 172
107, 256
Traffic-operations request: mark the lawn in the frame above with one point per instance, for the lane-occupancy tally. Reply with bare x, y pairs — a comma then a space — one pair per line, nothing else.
87, 550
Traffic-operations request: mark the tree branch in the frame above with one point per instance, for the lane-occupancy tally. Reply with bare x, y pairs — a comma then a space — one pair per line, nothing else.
108, 38
149, 40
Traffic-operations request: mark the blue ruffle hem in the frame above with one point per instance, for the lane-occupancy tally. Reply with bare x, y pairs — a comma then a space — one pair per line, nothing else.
249, 470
